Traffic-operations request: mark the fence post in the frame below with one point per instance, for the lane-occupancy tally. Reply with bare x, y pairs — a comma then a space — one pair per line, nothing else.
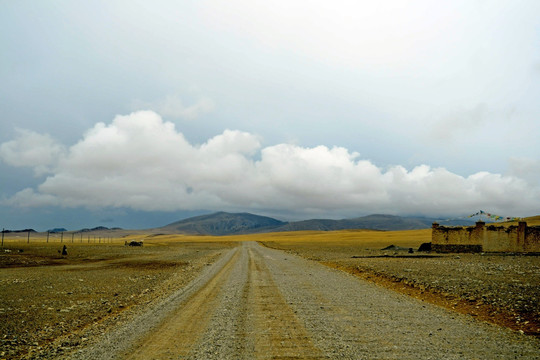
28, 239
61, 236
48, 235
3, 236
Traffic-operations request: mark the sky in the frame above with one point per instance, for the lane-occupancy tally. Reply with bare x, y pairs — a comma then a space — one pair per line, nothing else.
137, 114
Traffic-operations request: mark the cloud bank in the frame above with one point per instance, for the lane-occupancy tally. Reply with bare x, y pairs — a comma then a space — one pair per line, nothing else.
142, 162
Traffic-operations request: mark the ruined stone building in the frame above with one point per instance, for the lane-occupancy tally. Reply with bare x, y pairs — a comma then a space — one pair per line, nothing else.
482, 238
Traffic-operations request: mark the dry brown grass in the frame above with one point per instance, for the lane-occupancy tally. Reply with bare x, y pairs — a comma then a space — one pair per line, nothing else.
296, 236
368, 239
531, 221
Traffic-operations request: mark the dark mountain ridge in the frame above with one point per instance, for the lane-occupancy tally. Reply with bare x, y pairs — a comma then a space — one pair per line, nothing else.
18, 231
223, 223
373, 222
99, 228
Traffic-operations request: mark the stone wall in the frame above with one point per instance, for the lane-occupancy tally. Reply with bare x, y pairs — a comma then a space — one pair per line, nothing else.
520, 238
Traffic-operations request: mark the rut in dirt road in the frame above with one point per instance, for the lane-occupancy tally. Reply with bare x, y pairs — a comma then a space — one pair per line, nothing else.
259, 303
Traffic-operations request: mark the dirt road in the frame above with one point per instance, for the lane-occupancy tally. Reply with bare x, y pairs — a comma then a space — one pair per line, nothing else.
259, 303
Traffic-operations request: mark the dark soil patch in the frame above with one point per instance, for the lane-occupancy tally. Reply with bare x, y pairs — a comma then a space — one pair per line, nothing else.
148, 264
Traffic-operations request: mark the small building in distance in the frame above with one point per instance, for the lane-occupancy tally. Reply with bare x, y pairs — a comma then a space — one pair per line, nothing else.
482, 238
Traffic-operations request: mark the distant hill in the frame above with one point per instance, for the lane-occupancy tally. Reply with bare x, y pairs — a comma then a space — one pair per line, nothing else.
533, 220
19, 231
99, 228
373, 222
56, 230
223, 223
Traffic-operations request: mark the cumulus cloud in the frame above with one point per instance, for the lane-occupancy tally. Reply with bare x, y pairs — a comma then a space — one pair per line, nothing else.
142, 162
172, 106
29, 198
30, 149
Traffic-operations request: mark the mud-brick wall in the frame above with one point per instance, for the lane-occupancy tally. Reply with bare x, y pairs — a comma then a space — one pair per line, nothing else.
501, 239
532, 239
457, 239
519, 238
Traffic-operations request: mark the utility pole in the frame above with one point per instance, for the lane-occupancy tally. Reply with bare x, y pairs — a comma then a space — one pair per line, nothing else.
48, 235
72, 236
28, 239
61, 236
3, 230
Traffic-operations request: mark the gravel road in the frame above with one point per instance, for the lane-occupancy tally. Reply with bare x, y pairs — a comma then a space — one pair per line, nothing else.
260, 303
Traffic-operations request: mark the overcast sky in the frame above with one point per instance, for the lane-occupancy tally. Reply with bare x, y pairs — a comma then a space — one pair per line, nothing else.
138, 113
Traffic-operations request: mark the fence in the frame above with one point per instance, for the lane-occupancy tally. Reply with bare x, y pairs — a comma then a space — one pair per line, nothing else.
58, 237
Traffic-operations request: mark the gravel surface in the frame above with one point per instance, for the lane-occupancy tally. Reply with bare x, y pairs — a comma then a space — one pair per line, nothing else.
500, 288
262, 303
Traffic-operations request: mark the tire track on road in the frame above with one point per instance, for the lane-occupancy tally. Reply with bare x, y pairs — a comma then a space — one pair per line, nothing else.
115, 343
252, 320
279, 333
226, 336
182, 329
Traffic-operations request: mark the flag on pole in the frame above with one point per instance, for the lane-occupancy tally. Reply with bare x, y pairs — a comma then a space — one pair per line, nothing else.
494, 217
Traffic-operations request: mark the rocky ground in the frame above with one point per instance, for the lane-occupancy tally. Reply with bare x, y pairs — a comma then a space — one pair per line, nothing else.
500, 288
51, 303
260, 303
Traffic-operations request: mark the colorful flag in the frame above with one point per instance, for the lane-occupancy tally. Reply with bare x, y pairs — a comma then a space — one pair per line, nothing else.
494, 216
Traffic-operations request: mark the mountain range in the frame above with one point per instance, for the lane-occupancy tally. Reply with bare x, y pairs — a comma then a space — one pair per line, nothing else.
224, 223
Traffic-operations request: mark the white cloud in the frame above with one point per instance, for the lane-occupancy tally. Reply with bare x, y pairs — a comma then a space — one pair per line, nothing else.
29, 198
30, 149
140, 161
173, 107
